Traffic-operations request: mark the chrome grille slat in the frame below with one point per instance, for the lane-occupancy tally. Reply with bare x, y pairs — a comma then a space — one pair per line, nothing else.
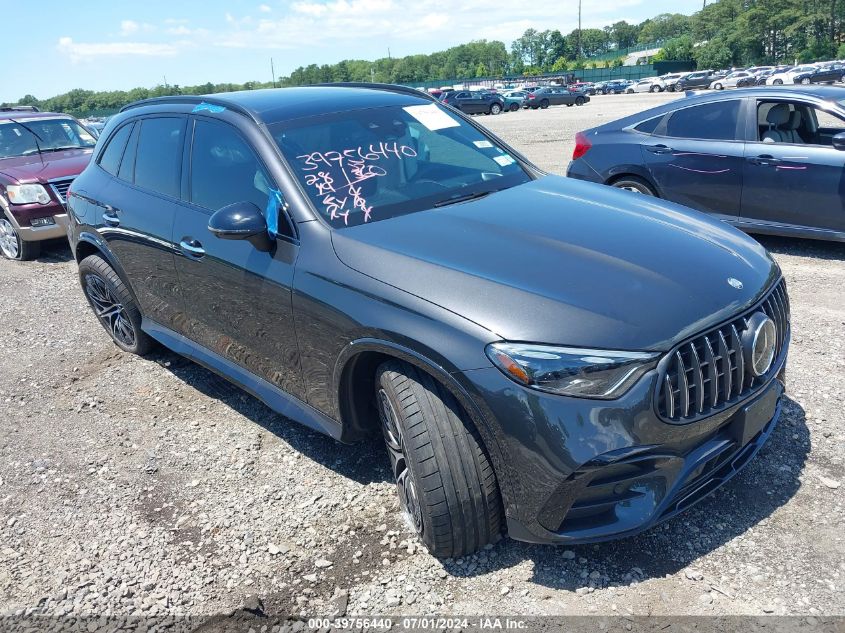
683, 385
739, 361
712, 372
707, 373
698, 379
727, 369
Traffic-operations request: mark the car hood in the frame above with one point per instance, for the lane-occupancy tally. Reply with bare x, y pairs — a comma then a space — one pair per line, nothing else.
30, 169
566, 262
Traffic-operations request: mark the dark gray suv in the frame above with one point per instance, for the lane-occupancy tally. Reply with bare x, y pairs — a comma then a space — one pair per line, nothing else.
561, 360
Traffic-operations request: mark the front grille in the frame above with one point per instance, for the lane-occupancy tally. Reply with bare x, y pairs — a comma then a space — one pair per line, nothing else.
60, 188
708, 374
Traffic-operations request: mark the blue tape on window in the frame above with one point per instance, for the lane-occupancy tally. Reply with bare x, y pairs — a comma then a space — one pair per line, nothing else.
274, 202
210, 107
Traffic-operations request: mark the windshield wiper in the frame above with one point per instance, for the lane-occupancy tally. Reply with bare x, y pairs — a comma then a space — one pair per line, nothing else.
464, 198
64, 147
34, 133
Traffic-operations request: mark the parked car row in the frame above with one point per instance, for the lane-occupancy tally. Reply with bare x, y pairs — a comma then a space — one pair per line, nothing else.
532, 97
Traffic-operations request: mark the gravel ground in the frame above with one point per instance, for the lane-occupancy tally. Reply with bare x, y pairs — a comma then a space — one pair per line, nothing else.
150, 486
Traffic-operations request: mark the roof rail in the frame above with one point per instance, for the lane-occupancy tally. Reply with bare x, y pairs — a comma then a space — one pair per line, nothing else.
19, 108
377, 86
197, 99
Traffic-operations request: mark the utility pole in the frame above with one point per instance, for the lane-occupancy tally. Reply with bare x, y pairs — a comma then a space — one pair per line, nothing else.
272, 72
578, 45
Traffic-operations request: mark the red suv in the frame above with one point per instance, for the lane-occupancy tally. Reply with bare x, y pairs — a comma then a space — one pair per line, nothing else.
40, 155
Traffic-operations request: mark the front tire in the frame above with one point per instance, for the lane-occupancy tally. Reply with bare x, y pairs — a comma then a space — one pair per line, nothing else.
580, 101
778, 82
113, 305
805, 82
495, 109
446, 484
514, 107
12, 246
718, 87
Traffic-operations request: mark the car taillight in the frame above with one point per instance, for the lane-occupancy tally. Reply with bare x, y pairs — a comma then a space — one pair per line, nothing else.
582, 146
530, 95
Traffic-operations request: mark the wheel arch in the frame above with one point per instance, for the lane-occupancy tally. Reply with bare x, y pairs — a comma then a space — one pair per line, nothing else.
354, 382
88, 244
634, 171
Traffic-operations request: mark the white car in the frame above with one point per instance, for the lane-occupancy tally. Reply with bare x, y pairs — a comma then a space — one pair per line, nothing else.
730, 81
670, 81
788, 76
649, 84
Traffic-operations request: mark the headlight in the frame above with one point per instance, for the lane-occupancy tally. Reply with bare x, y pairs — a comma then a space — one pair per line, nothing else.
584, 373
27, 194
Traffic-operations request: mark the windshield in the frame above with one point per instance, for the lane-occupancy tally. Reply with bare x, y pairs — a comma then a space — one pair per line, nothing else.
23, 137
367, 165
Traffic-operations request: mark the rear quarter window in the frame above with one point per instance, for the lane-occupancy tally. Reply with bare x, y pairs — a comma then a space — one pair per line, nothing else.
648, 127
110, 158
710, 121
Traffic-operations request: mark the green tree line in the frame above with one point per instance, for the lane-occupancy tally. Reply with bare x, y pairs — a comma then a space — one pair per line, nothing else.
723, 34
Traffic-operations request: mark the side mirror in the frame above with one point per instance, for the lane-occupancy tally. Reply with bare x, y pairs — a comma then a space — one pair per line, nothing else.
839, 141
241, 221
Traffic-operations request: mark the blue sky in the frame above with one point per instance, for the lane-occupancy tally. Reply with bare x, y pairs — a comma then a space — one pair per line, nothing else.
52, 46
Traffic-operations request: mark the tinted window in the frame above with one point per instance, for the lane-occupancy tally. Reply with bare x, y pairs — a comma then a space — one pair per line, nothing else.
648, 127
127, 165
110, 158
158, 159
224, 169
711, 121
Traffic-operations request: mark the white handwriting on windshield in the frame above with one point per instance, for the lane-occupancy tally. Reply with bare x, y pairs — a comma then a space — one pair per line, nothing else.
335, 176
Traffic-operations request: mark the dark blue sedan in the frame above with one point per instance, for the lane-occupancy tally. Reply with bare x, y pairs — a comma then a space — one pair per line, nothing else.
767, 160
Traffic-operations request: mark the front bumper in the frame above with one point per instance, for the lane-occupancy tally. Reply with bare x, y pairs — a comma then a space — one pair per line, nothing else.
581, 471
21, 217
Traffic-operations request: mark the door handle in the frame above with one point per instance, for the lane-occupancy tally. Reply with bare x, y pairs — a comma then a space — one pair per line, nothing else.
764, 159
659, 149
110, 219
192, 248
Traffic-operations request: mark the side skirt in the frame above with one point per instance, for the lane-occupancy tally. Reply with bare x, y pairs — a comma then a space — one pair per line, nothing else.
280, 401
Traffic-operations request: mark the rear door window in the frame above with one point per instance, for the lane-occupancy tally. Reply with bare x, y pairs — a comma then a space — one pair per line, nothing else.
710, 121
158, 160
110, 158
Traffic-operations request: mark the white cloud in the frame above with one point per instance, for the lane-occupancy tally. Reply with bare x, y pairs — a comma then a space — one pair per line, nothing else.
265, 8
87, 50
130, 27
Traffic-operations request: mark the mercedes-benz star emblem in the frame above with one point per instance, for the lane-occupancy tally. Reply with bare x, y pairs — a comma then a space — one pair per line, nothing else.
758, 343
736, 283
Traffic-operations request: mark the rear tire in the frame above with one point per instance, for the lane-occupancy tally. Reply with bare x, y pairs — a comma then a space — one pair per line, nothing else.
805, 82
654, 89
514, 107
446, 484
544, 104
634, 185
113, 305
778, 82
12, 246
